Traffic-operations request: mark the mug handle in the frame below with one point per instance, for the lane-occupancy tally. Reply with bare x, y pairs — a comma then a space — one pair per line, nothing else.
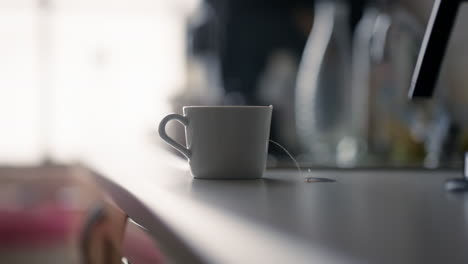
162, 133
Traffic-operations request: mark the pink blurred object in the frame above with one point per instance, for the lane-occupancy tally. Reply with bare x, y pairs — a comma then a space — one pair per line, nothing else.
41, 226
44, 214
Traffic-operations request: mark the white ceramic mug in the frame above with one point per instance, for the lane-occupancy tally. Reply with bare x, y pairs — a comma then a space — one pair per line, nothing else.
223, 142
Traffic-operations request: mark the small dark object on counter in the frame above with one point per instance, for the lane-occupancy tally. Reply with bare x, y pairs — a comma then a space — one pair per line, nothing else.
459, 184
315, 179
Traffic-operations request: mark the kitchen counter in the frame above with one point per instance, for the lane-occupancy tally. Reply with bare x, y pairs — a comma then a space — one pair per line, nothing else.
363, 216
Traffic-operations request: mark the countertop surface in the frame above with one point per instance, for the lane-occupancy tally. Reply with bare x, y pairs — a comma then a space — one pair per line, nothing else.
362, 216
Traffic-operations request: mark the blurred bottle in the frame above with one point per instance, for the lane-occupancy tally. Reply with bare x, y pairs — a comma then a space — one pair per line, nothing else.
323, 88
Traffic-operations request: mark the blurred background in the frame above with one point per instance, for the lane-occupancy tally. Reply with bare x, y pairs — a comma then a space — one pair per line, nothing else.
81, 79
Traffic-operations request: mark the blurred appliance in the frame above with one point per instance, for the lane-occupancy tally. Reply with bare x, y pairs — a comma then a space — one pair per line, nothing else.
427, 76
322, 87
386, 128
427, 70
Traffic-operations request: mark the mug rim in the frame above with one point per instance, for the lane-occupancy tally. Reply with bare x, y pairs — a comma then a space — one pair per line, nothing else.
228, 106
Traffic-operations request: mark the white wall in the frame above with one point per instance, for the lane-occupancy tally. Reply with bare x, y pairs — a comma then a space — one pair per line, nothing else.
109, 67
